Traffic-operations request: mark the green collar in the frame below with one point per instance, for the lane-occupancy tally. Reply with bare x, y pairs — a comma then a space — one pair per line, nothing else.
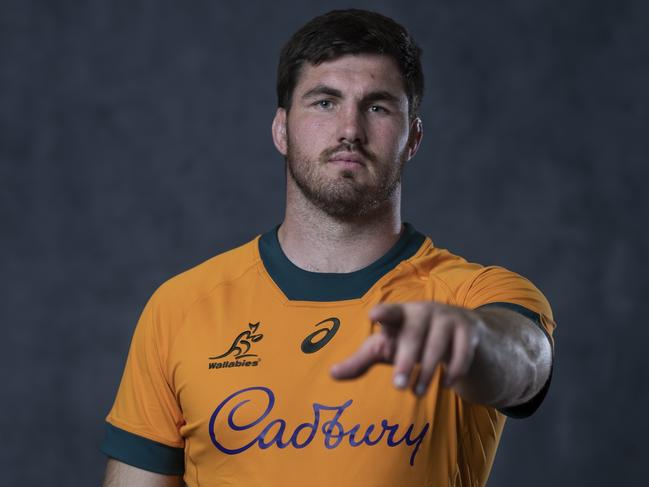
300, 285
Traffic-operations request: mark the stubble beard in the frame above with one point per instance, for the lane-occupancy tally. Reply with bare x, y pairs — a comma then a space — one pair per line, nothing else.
344, 197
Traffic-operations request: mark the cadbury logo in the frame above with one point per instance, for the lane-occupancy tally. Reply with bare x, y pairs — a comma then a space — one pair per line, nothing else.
233, 422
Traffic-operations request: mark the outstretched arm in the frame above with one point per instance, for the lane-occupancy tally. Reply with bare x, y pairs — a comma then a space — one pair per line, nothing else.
491, 356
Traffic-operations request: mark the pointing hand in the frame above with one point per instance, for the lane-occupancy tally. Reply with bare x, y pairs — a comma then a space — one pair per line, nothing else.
424, 332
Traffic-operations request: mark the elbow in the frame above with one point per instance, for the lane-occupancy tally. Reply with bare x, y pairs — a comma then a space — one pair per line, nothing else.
536, 370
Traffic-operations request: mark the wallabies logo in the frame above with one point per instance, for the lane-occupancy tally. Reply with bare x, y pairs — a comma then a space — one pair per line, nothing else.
239, 350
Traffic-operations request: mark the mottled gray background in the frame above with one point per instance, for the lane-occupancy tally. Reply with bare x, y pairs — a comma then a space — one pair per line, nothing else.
135, 143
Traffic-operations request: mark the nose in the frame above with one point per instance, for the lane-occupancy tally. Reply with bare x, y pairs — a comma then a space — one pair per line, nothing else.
352, 126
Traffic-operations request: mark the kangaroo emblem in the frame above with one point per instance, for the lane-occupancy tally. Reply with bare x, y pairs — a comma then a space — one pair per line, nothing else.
241, 344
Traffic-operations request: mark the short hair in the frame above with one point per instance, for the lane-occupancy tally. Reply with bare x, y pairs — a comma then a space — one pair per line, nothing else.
353, 31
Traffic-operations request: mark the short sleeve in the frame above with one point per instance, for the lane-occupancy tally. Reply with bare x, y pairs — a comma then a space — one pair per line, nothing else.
143, 425
497, 286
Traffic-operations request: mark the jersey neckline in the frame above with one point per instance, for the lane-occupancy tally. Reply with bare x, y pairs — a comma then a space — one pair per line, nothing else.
301, 285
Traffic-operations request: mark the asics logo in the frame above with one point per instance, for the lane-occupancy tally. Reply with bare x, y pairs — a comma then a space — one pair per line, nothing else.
319, 338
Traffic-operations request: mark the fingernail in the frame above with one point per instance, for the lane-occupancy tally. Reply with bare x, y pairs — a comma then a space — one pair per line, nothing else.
420, 389
400, 381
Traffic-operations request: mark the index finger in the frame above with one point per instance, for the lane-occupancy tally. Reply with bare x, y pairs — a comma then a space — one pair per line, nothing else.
374, 349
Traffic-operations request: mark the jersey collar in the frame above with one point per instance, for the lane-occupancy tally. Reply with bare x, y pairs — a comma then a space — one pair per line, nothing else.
301, 285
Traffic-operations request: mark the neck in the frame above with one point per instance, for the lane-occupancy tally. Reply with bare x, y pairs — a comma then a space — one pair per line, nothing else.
318, 242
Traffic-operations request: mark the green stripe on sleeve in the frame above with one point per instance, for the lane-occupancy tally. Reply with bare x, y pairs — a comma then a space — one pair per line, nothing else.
141, 452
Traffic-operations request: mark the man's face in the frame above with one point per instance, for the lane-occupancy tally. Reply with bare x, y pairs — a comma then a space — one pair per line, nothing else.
347, 134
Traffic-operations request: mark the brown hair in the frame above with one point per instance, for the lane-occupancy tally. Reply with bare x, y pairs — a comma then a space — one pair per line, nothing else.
340, 32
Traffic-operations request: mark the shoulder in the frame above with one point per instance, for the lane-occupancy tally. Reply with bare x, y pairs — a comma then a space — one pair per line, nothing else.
177, 294
440, 264
473, 284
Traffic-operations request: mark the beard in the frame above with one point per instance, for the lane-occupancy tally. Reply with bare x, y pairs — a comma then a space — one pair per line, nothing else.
344, 197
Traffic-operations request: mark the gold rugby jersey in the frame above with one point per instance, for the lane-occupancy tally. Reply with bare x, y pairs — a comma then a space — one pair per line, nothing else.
227, 379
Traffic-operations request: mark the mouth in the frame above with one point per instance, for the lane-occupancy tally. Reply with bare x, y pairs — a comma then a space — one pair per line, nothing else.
347, 159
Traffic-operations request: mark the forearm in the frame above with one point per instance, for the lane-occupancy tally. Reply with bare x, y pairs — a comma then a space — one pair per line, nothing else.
119, 474
512, 360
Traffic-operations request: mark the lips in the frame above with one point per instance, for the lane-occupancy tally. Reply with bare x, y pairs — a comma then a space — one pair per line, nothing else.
348, 157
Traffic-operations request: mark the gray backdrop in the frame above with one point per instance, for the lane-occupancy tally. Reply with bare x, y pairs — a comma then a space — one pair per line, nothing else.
135, 143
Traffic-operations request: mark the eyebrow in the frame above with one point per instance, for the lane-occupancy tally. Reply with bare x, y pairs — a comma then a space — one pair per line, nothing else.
380, 95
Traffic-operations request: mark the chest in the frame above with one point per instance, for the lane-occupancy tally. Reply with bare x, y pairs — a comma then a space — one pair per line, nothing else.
253, 381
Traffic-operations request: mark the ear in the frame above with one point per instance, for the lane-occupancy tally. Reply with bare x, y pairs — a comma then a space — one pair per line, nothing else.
414, 140
279, 131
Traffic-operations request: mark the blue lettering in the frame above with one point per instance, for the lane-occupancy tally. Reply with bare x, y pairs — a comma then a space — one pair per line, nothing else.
416, 440
393, 430
328, 427
366, 437
275, 431
313, 426
233, 425
263, 444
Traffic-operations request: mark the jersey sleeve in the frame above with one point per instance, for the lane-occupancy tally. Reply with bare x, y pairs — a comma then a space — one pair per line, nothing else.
497, 286
142, 428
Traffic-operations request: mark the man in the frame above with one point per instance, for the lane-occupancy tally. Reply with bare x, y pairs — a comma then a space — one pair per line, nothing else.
342, 347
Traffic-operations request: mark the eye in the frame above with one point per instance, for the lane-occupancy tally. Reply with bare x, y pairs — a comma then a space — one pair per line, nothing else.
378, 109
324, 104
